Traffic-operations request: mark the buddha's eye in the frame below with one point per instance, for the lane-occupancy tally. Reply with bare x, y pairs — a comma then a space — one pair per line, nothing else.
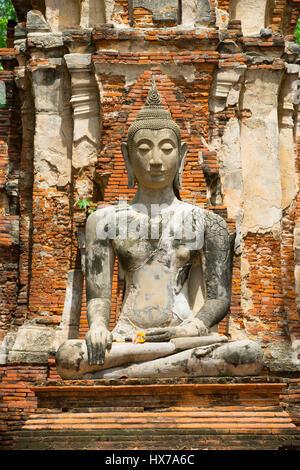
144, 148
167, 148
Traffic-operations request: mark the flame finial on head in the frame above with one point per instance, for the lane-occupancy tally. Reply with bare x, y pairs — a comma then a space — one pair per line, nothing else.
153, 108
153, 98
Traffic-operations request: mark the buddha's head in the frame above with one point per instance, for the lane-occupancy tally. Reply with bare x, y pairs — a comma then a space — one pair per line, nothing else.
154, 154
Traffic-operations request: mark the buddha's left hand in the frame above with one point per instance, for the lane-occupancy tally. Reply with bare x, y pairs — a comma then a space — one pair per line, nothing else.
188, 328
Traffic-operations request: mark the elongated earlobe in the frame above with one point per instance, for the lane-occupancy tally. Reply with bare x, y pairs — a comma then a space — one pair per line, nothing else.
131, 177
178, 178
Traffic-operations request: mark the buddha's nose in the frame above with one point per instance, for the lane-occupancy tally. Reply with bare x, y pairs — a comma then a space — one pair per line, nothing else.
155, 160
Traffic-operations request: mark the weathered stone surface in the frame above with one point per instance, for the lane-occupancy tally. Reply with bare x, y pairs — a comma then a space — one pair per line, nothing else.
92, 13
52, 160
72, 308
231, 167
226, 88
45, 40
226, 91
53, 167
2, 93
20, 31
32, 344
266, 32
6, 346
86, 121
292, 47
259, 152
252, 13
281, 356
189, 12
203, 12
62, 14
36, 22
287, 156
86, 110
162, 11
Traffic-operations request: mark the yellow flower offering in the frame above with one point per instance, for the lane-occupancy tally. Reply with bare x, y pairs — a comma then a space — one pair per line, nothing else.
139, 338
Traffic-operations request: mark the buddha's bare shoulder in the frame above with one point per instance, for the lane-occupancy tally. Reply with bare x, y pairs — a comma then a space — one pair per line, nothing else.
198, 211
187, 207
104, 215
211, 221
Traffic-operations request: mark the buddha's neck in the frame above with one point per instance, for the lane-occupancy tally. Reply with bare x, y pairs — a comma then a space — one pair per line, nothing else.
147, 196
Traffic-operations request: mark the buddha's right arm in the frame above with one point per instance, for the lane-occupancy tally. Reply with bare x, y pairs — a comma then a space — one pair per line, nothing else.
99, 271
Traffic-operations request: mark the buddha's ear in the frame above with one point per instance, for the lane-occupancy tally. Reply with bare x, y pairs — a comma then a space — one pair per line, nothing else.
130, 174
182, 157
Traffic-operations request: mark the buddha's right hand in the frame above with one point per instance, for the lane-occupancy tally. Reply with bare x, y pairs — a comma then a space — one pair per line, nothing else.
98, 340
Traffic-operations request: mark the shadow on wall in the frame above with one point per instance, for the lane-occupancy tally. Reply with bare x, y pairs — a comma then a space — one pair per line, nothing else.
254, 14
22, 7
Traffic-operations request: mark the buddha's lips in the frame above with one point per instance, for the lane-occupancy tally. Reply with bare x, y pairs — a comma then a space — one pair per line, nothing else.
156, 173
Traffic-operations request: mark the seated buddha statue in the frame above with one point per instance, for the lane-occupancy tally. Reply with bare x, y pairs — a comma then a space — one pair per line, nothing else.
176, 262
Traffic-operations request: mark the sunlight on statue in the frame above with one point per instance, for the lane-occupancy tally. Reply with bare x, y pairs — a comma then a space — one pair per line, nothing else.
176, 261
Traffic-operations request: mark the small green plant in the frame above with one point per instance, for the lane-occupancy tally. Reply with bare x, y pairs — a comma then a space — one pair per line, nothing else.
87, 205
7, 12
297, 31
224, 379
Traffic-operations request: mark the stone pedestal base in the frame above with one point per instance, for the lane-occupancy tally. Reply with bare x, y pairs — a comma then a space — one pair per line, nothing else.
169, 414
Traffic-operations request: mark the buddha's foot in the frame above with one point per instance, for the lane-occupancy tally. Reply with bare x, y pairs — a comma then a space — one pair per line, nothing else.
161, 360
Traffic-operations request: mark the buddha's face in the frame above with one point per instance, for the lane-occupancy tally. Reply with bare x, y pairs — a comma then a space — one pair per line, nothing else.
155, 157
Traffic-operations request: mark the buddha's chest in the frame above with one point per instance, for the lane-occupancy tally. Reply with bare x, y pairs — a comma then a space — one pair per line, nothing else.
171, 238
133, 254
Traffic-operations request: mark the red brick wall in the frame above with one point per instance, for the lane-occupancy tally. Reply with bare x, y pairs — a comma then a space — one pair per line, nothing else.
228, 414
264, 319
17, 401
10, 143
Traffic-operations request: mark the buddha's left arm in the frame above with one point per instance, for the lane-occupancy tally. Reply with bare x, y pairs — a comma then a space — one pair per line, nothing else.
218, 267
